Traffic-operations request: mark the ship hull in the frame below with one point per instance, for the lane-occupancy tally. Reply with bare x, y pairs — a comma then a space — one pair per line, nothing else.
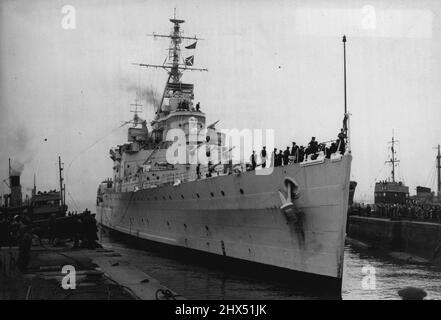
310, 285
240, 216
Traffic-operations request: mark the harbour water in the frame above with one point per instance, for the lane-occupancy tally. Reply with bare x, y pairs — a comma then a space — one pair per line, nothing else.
195, 280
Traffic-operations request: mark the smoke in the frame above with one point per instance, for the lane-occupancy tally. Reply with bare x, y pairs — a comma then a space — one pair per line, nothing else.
16, 167
20, 138
150, 96
147, 96
14, 143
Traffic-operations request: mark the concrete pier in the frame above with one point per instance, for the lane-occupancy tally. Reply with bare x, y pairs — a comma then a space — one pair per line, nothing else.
419, 238
100, 274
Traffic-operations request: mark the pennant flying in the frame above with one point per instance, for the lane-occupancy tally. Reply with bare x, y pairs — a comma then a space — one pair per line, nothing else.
191, 46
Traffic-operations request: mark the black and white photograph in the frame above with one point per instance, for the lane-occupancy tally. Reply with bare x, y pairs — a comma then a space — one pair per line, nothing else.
203, 151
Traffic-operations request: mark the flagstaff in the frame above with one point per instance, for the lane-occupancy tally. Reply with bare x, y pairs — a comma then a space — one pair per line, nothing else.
344, 67
346, 114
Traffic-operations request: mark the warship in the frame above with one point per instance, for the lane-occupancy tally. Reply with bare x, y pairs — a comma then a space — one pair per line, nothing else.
292, 218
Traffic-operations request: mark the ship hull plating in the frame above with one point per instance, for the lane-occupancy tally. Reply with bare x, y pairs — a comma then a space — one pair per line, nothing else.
240, 216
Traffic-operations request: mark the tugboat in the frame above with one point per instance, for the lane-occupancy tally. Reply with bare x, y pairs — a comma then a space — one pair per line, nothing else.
41, 209
47, 204
391, 191
290, 217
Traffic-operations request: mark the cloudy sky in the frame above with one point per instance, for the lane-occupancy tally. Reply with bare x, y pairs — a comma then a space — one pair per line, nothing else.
272, 65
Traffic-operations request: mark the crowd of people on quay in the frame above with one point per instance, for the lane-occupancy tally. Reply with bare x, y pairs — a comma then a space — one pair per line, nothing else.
12, 229
298, 153
408, 211
19, 231
81, 228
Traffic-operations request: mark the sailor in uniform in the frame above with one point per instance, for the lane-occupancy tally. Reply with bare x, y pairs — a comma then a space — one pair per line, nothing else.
263, 157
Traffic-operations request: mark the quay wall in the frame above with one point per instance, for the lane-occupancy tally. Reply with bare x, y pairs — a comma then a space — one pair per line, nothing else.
416, 237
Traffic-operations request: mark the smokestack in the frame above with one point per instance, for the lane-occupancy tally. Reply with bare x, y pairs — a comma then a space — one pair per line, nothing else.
16, 195
15, 170
14, 181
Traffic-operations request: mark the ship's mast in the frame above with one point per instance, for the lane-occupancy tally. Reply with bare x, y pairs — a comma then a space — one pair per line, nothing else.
135, 112
173, 67
174, 51
438, 167
9, 172
60, 169
393, 160
34, 190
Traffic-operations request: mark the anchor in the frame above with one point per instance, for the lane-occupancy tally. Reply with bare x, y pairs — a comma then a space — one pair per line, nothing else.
288, 207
